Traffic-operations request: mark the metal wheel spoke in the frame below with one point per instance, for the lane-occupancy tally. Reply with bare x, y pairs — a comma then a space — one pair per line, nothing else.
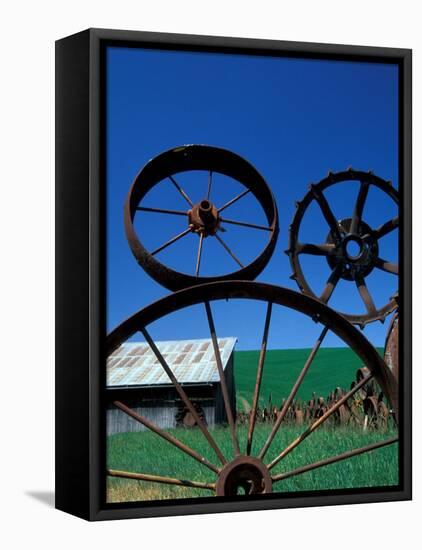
161, 479
259, 373
209, 185
389, 267
247, 224
387, 227
366, 296
198, 258
233, 200
332, 281
326, 210
333, 459
151, 426
161, 210
177, 186
320, 420
170, 242
287, 403
223, 244
183, 395
315, 249
223, 381
360, 203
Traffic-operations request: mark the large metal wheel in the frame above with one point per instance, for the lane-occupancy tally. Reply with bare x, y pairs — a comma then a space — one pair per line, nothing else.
243, 473
343, 235
206, 218
391, 348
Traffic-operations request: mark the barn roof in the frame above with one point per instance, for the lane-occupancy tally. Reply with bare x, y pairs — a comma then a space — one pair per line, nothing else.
192, 362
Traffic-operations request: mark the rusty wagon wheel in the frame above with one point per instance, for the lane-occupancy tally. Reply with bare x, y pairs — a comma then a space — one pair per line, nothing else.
351, 247
206, 218
242, 472
391, 348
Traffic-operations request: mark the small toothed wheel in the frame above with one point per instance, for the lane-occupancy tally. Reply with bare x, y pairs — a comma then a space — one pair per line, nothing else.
208, 218
351, 247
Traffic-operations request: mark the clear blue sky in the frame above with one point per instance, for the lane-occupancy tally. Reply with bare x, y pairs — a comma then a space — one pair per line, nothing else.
293, 120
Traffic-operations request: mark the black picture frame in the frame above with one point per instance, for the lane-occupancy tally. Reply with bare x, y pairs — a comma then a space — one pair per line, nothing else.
80, 271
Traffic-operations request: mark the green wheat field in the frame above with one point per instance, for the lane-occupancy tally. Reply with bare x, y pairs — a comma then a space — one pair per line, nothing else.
331, 367
148, 453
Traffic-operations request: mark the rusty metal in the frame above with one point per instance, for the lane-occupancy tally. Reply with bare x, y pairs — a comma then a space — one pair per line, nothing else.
232, 201
299, 417
178, 187
244, 475
161, 479
185, 418
383, 415
223, 383
170, 242
391, 353
285, 297
183, 395
318, 422
198, 258
351, 412
343, 264
293, 392
368, 389
245, 224
259, 377
343, 415
333, 459
202, 218
370, 406
168, 437
229, 251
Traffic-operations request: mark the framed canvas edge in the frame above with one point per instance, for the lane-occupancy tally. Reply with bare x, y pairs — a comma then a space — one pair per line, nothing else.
99, 37
258, 45
72, 299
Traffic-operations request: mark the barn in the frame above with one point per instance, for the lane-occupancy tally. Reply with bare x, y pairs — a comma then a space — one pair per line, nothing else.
135, 377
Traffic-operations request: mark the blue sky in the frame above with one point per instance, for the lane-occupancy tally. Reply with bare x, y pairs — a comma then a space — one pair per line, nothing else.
293, 120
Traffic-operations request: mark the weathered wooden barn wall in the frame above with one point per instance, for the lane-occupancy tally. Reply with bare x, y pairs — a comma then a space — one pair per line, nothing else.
161, 404
163, 415
220, 416
136, 378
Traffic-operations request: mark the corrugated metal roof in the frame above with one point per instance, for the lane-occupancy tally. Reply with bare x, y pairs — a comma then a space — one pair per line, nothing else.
192, 361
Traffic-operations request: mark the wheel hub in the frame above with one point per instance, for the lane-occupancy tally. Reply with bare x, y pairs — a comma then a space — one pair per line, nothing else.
245, 475
355, 253
204, 218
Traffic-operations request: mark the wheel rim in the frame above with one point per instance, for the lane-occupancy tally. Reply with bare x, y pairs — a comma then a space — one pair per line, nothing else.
252, 474
204, 218
342, 264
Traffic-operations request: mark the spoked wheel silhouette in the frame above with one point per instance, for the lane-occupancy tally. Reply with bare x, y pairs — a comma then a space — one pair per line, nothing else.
351, 248
207, 219
244, 471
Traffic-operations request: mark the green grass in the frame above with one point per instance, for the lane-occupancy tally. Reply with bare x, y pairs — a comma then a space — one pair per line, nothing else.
147, 453
332, 367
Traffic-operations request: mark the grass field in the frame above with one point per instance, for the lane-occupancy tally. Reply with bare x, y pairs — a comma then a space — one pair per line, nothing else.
145, 452
331, 367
